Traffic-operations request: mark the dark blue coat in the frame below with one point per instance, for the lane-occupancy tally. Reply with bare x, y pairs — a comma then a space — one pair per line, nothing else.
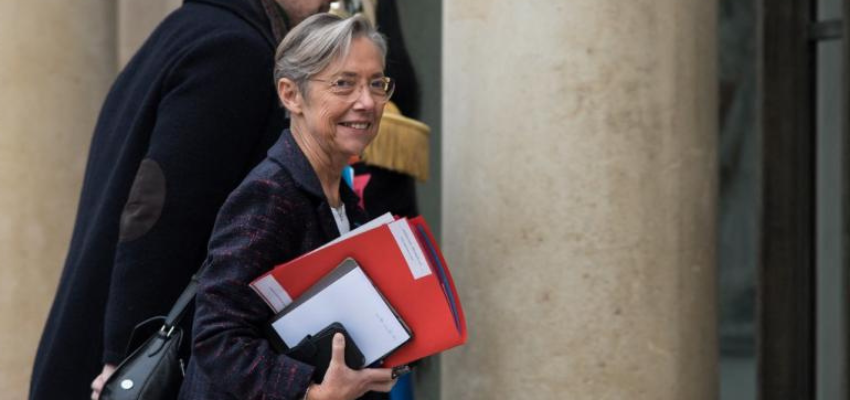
278, 213
197, 103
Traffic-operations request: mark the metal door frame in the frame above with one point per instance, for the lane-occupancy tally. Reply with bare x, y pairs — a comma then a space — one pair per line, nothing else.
786, 284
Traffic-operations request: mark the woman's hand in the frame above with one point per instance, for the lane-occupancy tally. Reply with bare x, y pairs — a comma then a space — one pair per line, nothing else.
343, 383
97, 383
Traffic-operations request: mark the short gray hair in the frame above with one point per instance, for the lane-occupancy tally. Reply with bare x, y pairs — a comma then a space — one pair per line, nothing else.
319, 40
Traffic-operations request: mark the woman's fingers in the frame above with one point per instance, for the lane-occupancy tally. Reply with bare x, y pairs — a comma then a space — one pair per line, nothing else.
378, 374
378, 379
382, 386
338, 349
348, 383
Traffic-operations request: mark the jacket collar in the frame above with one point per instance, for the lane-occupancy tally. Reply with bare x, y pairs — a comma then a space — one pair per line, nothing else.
289, 156
249, 11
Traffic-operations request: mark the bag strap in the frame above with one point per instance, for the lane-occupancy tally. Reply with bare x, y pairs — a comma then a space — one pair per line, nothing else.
178, 311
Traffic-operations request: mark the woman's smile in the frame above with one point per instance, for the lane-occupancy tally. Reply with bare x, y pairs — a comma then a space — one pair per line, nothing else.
356, 125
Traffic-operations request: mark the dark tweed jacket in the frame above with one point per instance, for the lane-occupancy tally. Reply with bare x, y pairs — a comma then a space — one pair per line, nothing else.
278, 213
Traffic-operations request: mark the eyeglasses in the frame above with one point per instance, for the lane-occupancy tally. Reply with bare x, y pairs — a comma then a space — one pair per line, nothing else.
381, 89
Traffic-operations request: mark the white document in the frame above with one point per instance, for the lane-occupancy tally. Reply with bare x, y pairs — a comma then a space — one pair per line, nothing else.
346, 296
380, 221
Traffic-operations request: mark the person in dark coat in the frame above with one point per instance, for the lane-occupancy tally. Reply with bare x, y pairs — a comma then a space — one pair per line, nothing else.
189, 116
330, 78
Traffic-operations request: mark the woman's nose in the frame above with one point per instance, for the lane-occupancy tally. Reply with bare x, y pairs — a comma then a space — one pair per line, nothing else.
364, 99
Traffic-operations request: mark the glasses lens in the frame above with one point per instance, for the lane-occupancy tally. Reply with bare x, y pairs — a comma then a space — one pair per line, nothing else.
380, 89
389, 88
344, 86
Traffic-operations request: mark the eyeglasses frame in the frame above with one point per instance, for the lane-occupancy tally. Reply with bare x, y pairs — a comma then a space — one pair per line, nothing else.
386, 97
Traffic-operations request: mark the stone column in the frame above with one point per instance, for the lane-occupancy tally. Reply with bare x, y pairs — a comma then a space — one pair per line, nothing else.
579, 187
58, 60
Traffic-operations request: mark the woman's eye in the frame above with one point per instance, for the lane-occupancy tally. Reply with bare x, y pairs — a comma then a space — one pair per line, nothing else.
377, 84
344, 84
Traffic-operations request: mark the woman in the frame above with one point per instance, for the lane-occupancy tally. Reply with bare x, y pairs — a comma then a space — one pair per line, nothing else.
329, 74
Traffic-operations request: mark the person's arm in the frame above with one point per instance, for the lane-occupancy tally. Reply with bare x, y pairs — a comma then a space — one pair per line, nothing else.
255, 230
258, 228
215, 104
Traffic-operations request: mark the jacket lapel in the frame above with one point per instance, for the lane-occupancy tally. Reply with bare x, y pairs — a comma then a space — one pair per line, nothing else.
326, 219
287, 153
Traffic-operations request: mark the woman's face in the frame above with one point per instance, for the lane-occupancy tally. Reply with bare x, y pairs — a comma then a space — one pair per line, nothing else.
344, 125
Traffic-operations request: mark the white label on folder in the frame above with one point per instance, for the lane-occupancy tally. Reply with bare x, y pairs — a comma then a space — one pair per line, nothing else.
416, 260
275, 295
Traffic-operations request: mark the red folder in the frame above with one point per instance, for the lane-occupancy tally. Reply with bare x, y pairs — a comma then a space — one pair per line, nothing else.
423, 295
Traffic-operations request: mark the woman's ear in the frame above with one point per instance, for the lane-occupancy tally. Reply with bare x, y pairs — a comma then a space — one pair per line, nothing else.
290, 96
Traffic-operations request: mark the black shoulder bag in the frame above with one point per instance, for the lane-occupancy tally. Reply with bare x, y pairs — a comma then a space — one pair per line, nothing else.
154, 370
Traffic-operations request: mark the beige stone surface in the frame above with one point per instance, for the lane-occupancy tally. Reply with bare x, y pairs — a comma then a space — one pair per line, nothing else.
136, 20
579, 186
57, 61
